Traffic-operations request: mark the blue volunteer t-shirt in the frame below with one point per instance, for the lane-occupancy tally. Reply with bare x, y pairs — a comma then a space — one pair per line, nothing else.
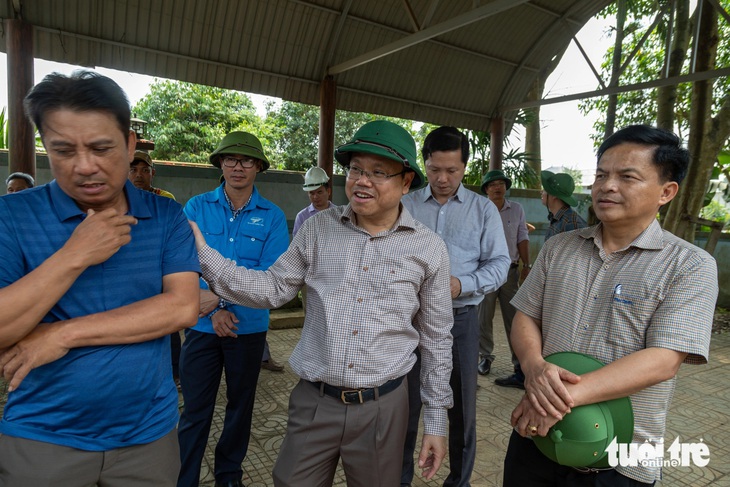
105, 397
254, 239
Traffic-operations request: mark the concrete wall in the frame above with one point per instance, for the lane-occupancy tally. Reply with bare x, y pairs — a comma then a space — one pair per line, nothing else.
284, 188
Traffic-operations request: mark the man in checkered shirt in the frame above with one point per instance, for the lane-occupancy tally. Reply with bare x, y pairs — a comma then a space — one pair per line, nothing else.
626, 292
378, 287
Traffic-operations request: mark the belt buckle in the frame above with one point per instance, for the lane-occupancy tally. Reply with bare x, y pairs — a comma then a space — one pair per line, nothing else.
359, 396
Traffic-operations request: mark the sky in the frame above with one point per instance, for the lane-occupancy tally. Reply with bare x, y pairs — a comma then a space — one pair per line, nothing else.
565, 132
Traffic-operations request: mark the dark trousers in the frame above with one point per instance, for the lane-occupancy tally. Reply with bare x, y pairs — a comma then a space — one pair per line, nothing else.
526, 466
175, 347
463, 416
204, 357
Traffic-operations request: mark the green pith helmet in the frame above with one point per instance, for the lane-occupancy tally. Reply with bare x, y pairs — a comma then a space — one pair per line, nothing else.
560, 185
495, 175
241, 143
581, 437
385, 139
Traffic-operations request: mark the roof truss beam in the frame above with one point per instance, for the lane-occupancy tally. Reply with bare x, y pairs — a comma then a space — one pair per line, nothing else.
457, 22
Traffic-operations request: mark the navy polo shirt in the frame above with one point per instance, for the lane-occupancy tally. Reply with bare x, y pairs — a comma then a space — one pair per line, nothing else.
105, 397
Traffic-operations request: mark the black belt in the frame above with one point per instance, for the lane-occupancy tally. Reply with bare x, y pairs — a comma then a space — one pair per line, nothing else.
464, 309
358, 396
514, 265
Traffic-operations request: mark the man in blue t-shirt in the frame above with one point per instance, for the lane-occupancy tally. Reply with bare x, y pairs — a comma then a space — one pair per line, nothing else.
243, 226
95, 277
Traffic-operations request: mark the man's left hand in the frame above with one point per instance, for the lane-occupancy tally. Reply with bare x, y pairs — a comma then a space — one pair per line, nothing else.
455, 287
39, 347
528, 422
433, 452
524, 273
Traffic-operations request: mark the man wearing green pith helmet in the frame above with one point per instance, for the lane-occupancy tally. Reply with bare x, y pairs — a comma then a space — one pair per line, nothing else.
244, 226
377, 285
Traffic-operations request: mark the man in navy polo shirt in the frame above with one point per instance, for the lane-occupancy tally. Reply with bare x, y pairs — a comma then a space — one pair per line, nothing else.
95, 276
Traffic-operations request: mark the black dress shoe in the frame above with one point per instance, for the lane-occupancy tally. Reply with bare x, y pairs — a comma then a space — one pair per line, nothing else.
516, 380
230, 483
485, 365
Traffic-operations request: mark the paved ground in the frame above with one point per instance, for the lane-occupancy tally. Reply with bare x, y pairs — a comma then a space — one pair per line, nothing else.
699, 413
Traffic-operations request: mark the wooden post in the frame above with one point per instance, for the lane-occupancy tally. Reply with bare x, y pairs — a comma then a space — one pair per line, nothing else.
21, 135
496, 149
327, 105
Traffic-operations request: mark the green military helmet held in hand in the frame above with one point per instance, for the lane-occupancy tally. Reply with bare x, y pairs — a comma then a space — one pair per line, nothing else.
580, 439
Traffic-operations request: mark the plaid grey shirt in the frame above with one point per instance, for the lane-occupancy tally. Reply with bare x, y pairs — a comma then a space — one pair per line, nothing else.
371, 300
660, 291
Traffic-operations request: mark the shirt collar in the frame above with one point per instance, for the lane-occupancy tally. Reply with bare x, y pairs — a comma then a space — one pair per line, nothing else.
458, 196
652, 238
312, 209
506, 206
559, 214
220, 196
67, 208
405, 219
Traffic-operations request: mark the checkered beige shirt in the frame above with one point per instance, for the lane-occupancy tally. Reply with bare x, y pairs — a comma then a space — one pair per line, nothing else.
371, 300
660, 291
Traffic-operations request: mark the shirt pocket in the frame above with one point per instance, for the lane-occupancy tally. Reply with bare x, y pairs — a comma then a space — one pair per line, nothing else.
211, 226
250, 246
631, 313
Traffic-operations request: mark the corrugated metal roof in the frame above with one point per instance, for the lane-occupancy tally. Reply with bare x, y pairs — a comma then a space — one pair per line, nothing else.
284, 48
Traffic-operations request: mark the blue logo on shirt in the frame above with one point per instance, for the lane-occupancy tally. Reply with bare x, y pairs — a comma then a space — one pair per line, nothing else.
619, 297
256, 220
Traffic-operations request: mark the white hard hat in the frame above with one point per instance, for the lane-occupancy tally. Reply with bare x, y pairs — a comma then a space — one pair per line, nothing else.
314, 178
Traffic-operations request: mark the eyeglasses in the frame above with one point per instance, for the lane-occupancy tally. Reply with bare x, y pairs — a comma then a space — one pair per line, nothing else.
375, 177
245, 162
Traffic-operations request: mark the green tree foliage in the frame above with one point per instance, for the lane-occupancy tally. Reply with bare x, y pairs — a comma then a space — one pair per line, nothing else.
647, 64
186, 121
293, 129
699, 112
518, 165
3, 130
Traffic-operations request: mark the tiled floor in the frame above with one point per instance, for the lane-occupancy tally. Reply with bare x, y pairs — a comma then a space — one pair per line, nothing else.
699, 413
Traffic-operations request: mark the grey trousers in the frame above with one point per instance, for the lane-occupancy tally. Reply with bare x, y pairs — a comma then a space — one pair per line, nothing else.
25, 463
321, 430
486, 315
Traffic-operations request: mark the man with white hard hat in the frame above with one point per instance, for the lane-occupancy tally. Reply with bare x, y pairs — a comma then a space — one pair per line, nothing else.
317, 185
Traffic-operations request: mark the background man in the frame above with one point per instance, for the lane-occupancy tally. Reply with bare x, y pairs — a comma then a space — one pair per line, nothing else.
557, 196
95, 276
245, 227
18, 181
472, 230
319, 188
378, 287
141, 172
633, 296
495, 185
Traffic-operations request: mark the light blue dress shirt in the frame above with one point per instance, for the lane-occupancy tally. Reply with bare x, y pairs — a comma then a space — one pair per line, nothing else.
471, 227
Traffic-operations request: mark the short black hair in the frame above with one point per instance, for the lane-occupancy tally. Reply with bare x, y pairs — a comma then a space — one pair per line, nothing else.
21, 175
82, 91
446, 139
669, 156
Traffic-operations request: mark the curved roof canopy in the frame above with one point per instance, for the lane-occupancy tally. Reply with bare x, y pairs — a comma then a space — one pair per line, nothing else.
450, 62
